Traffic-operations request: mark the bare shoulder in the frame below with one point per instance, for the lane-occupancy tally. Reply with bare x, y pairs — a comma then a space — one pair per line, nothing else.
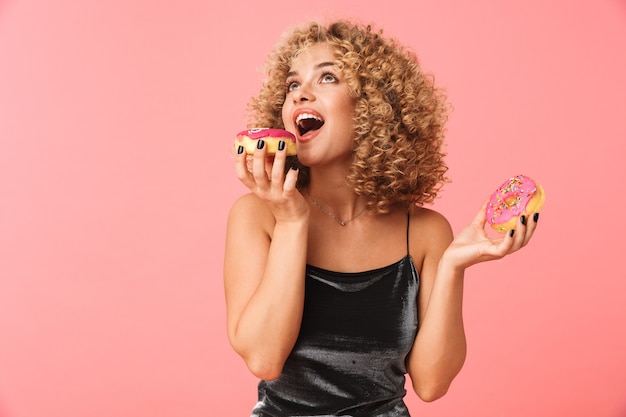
431, 222
245, 203
430, 234
249, 210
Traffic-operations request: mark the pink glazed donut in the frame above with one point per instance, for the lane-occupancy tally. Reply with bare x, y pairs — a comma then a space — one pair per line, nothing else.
519, 195
249, 139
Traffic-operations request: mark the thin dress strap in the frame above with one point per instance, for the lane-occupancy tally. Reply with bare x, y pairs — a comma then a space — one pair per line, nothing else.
408, 222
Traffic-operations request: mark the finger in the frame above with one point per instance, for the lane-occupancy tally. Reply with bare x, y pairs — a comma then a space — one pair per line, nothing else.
519, 236
507, 243
258, 164
278, 167
533, 218
496, 248
249, 162
291, 179
242, 169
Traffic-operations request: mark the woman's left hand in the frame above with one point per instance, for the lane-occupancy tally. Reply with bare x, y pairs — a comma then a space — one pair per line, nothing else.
472, 245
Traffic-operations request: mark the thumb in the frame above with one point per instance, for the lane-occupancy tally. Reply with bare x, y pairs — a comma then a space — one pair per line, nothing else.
481, 217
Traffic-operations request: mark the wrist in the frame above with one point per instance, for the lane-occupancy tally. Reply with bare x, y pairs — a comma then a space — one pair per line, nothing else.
293, 225
451, 264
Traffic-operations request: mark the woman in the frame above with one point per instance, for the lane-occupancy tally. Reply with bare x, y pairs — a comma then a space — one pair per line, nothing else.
343, 263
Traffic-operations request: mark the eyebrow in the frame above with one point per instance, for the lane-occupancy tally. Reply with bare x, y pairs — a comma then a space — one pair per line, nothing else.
317, 67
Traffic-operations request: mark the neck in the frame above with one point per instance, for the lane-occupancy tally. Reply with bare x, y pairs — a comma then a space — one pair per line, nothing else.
328, 187
338, 203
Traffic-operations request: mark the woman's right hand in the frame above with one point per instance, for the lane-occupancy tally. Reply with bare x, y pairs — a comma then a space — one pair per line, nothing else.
264, 176
264, 263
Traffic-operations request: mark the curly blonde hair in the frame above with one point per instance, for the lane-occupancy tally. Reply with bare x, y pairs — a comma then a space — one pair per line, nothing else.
399, 115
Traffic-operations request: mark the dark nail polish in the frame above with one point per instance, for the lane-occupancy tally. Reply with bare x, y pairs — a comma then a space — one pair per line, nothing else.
281, 145
523, 219
240, 150
512, 232
536, 217
260, 144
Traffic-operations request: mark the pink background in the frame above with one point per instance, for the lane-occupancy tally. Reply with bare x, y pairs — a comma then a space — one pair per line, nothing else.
116, 121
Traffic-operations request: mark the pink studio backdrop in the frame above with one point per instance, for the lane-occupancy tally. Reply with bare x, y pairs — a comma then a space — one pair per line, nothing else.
116, 120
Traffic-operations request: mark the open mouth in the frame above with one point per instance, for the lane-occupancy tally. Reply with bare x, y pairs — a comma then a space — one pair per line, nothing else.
307, 122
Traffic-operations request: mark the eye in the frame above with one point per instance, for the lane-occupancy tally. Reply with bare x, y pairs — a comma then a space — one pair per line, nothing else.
328, 78
292, 85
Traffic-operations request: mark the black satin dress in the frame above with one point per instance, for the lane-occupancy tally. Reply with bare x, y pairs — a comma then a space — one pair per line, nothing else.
349, 359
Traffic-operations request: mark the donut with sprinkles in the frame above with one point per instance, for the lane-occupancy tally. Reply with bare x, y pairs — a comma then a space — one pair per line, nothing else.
519, 195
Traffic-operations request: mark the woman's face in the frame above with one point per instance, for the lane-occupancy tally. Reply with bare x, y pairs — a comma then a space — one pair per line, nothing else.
318, 107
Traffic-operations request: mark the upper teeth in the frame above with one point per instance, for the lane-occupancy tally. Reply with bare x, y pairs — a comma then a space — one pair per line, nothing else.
302, 116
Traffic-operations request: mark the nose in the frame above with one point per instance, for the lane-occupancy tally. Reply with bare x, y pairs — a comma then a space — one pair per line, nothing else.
303, 94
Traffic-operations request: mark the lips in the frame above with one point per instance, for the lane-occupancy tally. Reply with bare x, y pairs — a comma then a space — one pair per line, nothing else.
307, 120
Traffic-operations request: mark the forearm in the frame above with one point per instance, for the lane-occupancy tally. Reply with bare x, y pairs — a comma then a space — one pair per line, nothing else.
270, 322
440, 347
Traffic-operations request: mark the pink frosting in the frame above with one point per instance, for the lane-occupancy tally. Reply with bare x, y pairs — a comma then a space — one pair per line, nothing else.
510, 199
263, 132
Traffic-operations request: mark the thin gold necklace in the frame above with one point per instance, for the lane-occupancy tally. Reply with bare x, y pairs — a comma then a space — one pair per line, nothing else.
332, 216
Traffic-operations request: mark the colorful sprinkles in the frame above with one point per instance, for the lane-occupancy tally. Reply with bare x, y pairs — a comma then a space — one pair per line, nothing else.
510, 199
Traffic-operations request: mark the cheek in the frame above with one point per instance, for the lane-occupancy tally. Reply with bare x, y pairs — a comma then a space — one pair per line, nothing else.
348, 109
284, 114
